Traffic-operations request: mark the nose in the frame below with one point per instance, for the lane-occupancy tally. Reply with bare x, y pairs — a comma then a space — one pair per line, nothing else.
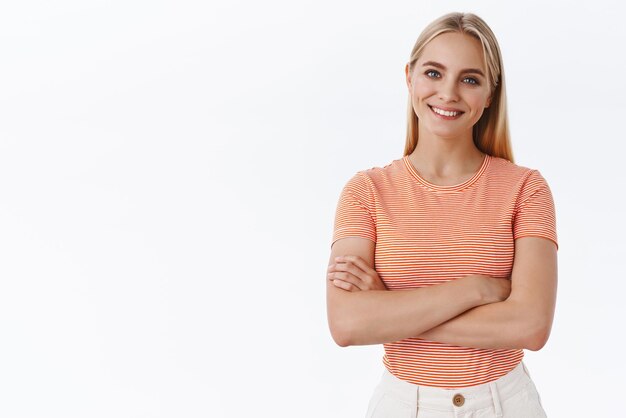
448, 91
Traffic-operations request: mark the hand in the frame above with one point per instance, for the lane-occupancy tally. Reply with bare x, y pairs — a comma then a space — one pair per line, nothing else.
353, 274
492, 289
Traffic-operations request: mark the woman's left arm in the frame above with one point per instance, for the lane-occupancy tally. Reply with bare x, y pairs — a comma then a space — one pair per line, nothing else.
524, 320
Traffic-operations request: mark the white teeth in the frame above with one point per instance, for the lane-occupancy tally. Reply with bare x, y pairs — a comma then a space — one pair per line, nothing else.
444, 112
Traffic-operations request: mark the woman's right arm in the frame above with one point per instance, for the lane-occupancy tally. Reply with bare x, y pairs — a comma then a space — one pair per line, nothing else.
381, 316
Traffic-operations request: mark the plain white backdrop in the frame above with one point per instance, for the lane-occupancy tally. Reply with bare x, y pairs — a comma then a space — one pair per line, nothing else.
169, 172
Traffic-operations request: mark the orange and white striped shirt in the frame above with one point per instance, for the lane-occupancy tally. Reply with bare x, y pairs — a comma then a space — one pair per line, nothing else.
427, 234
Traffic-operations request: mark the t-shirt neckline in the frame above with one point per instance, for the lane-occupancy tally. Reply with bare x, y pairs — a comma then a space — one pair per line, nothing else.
450, 188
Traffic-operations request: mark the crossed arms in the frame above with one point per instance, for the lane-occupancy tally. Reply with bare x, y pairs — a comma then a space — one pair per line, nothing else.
471, 311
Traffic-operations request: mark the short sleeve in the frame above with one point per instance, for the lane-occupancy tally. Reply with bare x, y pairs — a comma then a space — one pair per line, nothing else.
534, 210
355, 211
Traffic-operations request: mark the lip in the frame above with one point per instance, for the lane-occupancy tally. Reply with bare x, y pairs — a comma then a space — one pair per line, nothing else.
448, 110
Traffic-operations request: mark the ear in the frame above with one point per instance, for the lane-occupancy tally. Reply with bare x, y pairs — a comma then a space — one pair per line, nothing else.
488, 102
407, 74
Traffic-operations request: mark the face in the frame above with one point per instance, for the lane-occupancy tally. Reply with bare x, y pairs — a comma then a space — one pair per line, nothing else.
448, 85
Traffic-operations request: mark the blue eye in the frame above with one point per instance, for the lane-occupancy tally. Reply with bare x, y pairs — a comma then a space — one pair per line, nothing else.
432, 74
471, 80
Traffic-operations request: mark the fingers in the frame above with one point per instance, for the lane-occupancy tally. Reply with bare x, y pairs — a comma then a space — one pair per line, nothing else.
354, 273
346, 286
350, 273
356, 260
358, 267
349, 267
346, 280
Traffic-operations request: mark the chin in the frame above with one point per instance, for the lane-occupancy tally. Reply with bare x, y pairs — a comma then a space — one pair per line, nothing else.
448, 133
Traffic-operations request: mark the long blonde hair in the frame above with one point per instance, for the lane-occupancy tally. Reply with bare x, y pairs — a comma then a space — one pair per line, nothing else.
491, 132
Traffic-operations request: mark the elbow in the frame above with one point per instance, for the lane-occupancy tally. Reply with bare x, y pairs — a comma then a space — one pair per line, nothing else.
536, 345
341, 340
340, 331
348, 326
537, 338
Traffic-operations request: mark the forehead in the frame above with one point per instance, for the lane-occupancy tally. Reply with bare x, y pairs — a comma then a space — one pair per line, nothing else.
455, 51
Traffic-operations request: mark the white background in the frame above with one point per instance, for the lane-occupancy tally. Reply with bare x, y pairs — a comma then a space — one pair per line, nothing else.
169, 172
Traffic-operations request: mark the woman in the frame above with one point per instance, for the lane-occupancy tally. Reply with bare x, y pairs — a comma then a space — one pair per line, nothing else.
447, 256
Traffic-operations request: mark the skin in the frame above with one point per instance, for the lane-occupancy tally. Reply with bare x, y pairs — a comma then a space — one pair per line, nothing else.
445, 152
491, 313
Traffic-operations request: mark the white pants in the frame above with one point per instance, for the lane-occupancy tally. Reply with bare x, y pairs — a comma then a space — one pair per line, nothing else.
514, 395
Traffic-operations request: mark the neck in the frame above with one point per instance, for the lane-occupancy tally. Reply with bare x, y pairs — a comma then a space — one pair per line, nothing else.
446, 157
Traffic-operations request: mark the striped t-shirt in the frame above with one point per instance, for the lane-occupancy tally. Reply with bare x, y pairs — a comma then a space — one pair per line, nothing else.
427, 234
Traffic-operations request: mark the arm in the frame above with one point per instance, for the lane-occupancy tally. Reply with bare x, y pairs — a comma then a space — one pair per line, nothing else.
524, 320
380, 316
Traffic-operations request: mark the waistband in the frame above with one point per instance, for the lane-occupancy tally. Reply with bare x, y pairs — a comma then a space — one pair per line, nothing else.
471, 397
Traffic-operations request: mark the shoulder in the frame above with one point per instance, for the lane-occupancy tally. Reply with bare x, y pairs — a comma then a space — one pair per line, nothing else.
525, 186
378, 175
387, 172
513, 174
505, 167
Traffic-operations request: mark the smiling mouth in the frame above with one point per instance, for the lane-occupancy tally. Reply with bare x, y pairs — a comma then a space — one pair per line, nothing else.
447, 114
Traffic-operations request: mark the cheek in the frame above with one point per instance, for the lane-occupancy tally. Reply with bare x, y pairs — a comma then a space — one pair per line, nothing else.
478, 102
422, 89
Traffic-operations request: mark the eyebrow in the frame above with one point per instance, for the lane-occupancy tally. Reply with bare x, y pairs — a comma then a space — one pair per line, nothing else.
443, 67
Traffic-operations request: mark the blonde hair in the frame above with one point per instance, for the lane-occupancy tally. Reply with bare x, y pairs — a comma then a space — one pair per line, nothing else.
491, 132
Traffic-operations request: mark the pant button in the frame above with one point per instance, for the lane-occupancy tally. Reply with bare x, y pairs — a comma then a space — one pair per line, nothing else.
458, 400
